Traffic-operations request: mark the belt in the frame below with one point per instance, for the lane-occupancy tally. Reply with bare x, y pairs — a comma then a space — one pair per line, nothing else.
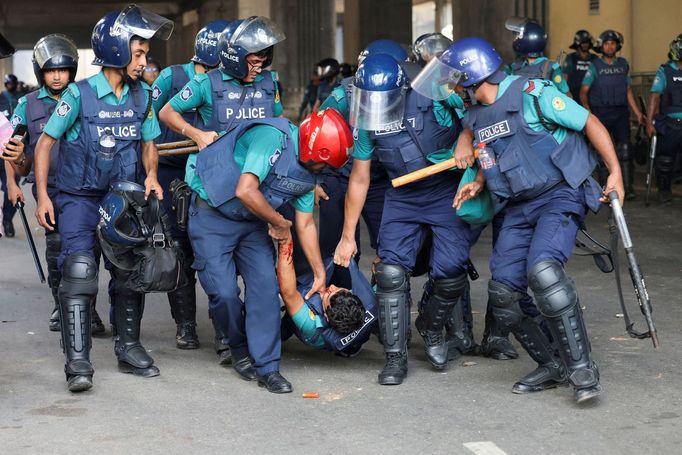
201, 203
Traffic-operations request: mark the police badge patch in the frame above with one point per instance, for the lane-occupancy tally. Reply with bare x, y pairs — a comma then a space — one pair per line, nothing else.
63, 109
156, 93
186, 94
558, 104
274, 157
15, 121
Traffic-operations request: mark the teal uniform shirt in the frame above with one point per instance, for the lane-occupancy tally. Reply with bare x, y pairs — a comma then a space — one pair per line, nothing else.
658, 86
307, 323
19, 115
201, 99
444, 111
591, 73
338, 100
252, 153
556, 74
161, 89
69, 124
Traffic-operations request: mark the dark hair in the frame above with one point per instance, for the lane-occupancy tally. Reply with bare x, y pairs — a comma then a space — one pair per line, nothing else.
139, 38
346, 313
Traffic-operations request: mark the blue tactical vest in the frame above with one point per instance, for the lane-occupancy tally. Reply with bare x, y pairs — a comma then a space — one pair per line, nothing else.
234, 103
220, 174
576, 72
610, 86
404, 148
671, 98
528, 162
179, 78
333, 340
78, 171
38, 113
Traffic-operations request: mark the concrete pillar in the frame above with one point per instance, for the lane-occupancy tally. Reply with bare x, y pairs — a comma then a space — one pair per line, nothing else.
365, 21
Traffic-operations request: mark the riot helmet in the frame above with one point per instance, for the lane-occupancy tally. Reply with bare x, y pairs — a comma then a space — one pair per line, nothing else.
255, 35
610, 35
675, 53
6, 48
467, 62
530, 37
429, 45
346, 70
384, 46
328, 69
112, 34
206, 43
378, 93
11, 79
580, 37
55, 51
324, 137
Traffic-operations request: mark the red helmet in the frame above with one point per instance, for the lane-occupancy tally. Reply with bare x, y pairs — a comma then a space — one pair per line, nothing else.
324, 137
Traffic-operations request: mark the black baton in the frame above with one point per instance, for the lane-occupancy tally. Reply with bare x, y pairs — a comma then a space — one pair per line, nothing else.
20, 207
635, 272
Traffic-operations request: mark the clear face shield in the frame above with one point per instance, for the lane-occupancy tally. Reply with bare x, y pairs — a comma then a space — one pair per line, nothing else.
377, 111
516, 25
54, 46
137, 21
437, 80
431, 46
257, 33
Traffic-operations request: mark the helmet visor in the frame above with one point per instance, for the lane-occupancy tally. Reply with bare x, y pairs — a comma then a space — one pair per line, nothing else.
516, 24
55, 46
257, 33
431, 46
6, 48
140, 22
375, 110
437, 80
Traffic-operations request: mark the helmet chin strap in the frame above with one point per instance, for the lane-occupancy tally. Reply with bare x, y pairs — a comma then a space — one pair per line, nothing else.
53, 91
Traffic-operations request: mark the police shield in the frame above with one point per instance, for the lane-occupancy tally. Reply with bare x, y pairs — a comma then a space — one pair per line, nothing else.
377, 110
137, 21
437, 80
256, 33
58, 47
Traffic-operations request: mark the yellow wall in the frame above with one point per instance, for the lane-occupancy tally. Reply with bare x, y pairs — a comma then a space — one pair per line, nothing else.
647, 25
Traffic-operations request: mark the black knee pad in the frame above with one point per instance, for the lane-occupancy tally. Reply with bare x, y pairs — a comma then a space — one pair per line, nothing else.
390, 277
504, 303
554, 291
624, 152
450, 289
665, 164
79, 276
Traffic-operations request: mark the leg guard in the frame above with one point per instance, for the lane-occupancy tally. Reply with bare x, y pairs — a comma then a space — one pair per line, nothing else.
495, 342
558, 301
394, 320
183, 301
128, 307
626, 159
53, 243
459, 328
664, 171
77, 288
446, 294
507, 311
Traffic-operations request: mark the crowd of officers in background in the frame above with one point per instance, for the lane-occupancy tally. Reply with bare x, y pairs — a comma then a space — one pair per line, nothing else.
227, 101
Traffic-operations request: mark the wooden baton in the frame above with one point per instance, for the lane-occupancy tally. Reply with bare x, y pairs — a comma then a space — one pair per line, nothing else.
175, 145
426, 172
178, 151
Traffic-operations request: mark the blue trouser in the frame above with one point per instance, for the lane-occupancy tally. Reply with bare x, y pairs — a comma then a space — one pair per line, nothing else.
8, 210
408, 212
53, 194
166, 174
222, 245
616, 120
532, 231
78, 217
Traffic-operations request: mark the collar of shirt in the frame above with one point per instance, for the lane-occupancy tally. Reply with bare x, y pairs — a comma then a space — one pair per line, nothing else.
537, 61
674, 65
190, 70
101, 85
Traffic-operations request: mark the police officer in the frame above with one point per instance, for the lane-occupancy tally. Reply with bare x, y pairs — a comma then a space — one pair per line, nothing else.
110, 110
537, 165
404, 129
606, 92
151, 72
169, 83
665, 106
8, 102
240, 90
10, 96
530, 40
577, 63
55, 61
239, 181
328, 70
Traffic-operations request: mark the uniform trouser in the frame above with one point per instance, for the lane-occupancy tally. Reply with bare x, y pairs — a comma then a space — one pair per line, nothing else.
408, 212
53, 243
8, 210
669, 148
540, 229
185, 296
616, 119
222, 245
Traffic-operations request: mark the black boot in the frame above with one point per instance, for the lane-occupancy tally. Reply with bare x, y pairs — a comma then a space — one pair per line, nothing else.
558, 301
97, 324
222, 349
9, 227
459, 328
76, 291
54, 275
495, 342
394, 320
183, 304
132, 356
